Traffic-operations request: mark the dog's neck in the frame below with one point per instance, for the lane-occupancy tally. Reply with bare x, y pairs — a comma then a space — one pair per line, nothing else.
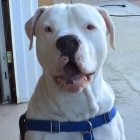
53, 103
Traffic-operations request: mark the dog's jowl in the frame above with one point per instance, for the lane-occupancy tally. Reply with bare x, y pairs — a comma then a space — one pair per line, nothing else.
71, 100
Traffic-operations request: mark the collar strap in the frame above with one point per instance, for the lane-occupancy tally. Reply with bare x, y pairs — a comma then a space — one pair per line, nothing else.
85, 127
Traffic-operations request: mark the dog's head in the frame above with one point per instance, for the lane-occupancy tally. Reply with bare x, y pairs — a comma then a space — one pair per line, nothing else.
70, 42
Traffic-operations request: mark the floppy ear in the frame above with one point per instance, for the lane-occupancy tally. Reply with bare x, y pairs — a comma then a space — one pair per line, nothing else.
109, 25
30, 25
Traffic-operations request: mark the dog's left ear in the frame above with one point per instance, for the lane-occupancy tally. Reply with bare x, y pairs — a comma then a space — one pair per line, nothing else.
31, 23
109, 25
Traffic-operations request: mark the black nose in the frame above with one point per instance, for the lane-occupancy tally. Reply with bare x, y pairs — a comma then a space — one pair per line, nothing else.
68, 45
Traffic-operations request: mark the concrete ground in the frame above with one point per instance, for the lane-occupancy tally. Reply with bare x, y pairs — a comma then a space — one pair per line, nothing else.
121, 70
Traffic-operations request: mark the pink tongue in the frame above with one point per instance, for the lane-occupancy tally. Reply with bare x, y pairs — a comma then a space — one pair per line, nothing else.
70, 70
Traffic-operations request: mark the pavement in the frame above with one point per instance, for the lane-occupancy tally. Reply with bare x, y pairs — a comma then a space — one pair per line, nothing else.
122, 68
121, 71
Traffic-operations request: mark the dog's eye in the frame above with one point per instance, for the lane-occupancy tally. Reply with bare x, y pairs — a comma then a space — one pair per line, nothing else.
90, 27
48, 29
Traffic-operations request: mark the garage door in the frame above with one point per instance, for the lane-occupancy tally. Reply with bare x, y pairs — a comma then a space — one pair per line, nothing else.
27, 69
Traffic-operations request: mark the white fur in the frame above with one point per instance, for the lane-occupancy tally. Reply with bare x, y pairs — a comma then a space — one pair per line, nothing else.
49, 101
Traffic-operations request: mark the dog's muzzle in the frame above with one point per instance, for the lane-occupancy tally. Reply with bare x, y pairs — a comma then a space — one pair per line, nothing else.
72, 77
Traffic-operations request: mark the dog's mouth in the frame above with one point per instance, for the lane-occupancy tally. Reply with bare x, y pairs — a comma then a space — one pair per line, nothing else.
72, 79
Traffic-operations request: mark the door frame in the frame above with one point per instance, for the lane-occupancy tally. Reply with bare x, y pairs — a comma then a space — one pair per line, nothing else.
5, 85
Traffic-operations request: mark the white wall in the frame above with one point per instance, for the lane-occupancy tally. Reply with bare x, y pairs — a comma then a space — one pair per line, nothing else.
27, 69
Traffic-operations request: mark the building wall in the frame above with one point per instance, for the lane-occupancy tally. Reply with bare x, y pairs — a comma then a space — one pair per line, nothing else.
45, 2
50, 2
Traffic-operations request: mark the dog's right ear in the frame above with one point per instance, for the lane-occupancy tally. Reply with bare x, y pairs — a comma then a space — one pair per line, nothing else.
31, 23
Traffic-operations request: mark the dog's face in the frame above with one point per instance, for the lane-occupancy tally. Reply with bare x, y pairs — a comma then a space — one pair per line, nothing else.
71, 43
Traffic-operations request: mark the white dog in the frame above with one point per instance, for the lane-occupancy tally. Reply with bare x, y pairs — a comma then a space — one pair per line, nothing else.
71, 96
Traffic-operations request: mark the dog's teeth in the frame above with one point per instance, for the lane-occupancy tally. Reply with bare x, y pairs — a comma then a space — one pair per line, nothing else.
62, 84
85, 78
58, 80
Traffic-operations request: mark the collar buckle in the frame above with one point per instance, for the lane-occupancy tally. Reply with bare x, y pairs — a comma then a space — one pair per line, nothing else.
107, 117
88, 134
55, 127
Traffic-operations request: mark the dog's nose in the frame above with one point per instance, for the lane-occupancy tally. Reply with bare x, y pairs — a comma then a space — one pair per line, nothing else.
68, 45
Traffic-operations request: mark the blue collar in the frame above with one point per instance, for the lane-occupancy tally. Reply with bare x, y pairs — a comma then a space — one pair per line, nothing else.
85, 127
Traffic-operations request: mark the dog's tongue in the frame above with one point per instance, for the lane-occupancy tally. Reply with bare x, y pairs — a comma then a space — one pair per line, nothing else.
70, 70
